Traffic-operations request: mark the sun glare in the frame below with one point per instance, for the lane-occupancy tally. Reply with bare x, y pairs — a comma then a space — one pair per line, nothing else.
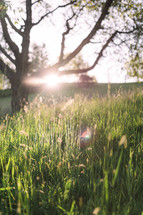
52, 80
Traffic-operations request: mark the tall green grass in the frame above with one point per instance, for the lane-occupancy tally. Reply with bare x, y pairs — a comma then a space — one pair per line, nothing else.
68, 90
44, 171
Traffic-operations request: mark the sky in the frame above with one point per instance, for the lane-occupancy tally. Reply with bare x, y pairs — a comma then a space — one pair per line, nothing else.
108, 68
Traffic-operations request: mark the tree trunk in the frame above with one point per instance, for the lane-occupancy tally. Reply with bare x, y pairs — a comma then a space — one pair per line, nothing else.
19, 96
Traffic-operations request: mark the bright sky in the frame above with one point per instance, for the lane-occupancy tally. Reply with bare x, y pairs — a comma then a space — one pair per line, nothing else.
108, 70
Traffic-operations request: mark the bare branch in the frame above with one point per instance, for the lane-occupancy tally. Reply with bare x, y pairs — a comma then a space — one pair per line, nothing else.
52, 11
86, 40
36, 2
7, 55
6, 70
79, 71
89, 37
126, 32
8, 39
14, 27
63, 37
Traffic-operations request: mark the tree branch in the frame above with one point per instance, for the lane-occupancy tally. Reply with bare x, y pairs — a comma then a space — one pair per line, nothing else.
8, 39
63, 37
52, 11
7, 55
87, 39
126, 32
13, 26
36, 2
79, 71
26, 34
6, 70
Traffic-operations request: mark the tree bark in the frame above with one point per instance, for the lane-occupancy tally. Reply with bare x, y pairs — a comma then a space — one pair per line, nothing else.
19, 96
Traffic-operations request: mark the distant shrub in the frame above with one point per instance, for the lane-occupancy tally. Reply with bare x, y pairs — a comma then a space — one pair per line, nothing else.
5, 93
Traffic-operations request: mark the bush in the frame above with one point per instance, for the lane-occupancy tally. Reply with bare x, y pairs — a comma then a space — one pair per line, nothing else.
5, 93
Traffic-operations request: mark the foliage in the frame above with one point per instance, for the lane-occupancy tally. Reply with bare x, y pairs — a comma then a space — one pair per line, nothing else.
43, 170
135, 66
85, 78
77, 63
3, 7
135, 63
89, 4
5, 93
38, 58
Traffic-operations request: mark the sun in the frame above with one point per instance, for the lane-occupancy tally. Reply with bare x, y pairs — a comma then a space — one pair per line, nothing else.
52, 80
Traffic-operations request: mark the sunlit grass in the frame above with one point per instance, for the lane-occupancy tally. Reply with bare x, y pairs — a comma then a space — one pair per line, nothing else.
44, 171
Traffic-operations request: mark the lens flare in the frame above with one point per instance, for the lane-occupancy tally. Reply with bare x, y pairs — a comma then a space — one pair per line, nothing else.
86, 138
52, 80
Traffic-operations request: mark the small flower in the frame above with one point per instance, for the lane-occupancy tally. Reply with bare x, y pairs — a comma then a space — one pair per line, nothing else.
41, 191
59, 139
73, 156
87, 160
23, 145
89, 149
37, 178
23, 133
59, 164
47, 165
52, 119
2, 127
96, 211
60, 116
123, 141
81, 165
25, 109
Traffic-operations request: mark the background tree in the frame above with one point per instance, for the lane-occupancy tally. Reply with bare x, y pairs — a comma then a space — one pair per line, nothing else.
135, 65
110, 21
38, 58
84, 78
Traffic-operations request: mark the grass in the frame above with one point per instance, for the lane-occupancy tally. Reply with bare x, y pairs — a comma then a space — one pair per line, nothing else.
64, 91
44, 171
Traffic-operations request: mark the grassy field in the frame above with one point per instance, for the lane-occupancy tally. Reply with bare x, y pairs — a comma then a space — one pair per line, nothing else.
44, 171
66, 91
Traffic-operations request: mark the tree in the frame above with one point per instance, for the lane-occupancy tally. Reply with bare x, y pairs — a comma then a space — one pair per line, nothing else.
85, 78
135, 65
38, 58
106, 27
135, 62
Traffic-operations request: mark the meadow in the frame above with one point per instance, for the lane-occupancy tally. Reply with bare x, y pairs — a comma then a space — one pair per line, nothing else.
66, 91
43, 170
